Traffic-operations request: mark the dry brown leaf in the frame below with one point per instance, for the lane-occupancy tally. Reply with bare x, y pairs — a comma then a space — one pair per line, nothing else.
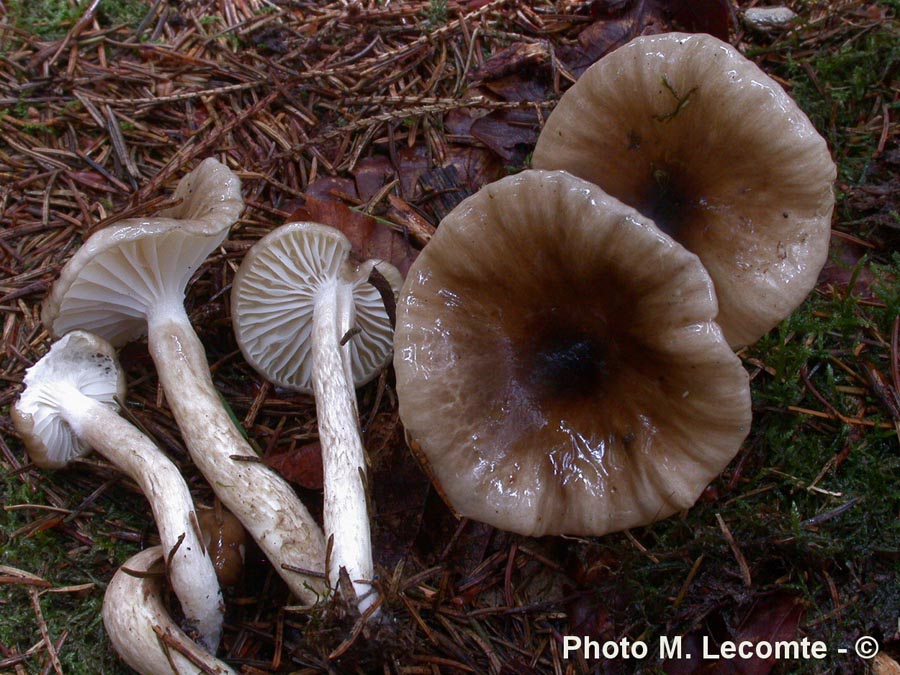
302, 465
771, 619
622, 20
368, 237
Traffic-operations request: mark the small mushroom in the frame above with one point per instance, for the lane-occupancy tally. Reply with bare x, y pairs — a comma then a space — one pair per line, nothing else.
696, 137
226, 540
308, 319
558, 364
69, 406
768, 19
129, 280
140, 628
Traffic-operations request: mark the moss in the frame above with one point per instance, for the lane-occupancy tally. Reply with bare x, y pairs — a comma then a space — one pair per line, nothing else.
838, 88
127, 13
51, 19
54, 555
47, 19
436, 14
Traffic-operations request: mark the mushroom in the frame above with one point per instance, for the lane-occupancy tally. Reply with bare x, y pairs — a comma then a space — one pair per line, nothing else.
226, 540
129, 280
140, 628
307, 319
558, 364
69, 406
699, 139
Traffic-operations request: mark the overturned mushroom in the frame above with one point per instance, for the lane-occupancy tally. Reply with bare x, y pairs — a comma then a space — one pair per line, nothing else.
558, 365
68, 407
129, 280
698, 138
140, 628
307, 318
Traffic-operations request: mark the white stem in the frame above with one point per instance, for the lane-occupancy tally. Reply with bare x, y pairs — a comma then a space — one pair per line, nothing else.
142, 631
264, 502
346, 515
190, 569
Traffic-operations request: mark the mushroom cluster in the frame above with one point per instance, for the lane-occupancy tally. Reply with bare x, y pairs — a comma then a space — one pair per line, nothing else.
305, 316
564, 361
563, 353
128, 280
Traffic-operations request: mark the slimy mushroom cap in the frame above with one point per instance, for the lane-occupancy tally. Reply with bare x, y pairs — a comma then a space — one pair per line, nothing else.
697, 138
558, 364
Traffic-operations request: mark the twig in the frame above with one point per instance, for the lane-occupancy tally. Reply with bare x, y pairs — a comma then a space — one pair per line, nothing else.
736, 550
833, 513
76, 30
45, 633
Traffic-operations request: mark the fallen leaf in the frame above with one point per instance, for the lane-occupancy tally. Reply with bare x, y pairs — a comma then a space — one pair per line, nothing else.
594, 42
715, 17
371, 175
474, 168
846, 269
459, 121
624, 20
411, 164
509, 133
302, 465
332, 188
368, 237
772, 618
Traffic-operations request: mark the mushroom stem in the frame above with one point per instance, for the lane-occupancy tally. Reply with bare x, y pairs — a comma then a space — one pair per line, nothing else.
190, 570
343, 458
140, 628
68, 407
263, 502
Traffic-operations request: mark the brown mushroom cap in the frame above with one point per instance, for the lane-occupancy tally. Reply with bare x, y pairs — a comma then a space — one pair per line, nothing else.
558, 364
698, 138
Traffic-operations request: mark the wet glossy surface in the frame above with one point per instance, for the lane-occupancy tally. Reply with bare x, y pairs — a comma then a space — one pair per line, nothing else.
698, 138
557, 363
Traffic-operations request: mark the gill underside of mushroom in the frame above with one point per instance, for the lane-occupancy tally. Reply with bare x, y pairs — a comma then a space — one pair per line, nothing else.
344, 464
141, 629
264, 503
189, 568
